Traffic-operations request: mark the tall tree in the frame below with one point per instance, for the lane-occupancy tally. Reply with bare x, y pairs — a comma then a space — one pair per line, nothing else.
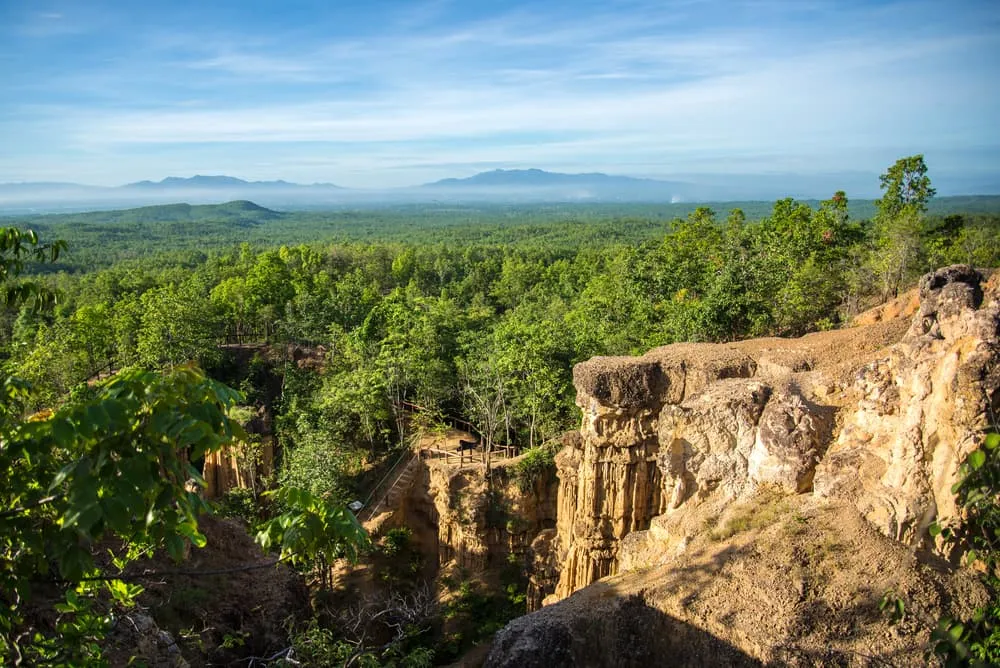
906, 190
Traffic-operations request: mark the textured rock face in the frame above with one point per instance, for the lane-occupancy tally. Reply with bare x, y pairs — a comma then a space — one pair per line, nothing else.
228, 469
791, 436
478, 528
920, 410
242, 465
878, 416
138, 636
628, 632
610, 480
706, 441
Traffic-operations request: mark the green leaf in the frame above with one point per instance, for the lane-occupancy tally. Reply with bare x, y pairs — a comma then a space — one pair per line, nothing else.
61, 476
175, 547
992, 441
73, 562
117, 513
97, 417
977, 459
90, 520
63, 432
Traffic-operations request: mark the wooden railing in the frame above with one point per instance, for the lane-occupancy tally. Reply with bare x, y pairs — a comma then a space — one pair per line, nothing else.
260, 335
462, 457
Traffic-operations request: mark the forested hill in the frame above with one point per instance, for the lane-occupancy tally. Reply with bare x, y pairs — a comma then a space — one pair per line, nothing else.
101, 238
239, 211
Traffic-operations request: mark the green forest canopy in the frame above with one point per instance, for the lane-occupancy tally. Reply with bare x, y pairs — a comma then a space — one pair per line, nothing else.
101, 238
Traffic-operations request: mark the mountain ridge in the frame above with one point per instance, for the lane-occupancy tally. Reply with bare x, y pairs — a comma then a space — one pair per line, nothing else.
535, 176
235, 211
499, 186
221, 181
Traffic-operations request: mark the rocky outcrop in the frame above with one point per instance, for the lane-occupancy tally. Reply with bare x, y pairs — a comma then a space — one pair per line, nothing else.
610, 481
136, 638
878, 416
463, 522
791, 437
483, 524
921, 409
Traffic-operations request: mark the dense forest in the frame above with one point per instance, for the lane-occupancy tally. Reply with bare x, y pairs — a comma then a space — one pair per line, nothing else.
184, 233
481, 315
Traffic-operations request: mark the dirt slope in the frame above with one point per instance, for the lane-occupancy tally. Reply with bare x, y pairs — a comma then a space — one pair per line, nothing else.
776, 581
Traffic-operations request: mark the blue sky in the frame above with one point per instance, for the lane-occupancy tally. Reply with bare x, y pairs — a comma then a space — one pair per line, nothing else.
379, 93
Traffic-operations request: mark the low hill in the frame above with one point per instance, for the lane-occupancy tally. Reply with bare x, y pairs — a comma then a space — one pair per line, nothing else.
237, 211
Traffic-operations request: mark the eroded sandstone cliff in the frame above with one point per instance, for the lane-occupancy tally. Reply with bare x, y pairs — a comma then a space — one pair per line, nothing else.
879, 416
778, 580
482, 523
463, 521
860, 427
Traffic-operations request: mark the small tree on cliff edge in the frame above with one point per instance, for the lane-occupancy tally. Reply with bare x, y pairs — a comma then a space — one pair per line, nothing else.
906, 189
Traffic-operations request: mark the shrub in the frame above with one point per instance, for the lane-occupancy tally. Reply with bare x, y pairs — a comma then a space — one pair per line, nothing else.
241, 503
975, 641
396, 540
536, 463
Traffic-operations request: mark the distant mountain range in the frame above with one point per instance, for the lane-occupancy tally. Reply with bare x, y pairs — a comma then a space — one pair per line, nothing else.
502, 186
199, 189
536, 184
200, 182
538, 177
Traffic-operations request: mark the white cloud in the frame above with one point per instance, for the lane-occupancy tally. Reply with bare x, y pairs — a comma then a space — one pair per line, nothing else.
637, 87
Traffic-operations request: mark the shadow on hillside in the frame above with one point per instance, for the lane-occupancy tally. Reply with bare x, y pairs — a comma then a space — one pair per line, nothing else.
782, 605
622, 632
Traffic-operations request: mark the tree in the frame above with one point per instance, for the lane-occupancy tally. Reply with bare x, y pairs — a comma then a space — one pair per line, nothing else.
906, 187
178, 324
111, 473
529, 348
906, 190
114, 466
484, 394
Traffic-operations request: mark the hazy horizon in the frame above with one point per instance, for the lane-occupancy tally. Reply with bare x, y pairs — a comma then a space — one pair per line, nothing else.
388, 94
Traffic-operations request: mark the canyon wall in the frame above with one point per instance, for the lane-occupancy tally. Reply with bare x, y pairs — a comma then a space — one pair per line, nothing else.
463, 520
879, 416
757, 502
484, 524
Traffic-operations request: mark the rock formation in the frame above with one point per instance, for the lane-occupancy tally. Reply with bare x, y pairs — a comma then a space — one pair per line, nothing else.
869, 422
799, 583
689, 422
461, 522
921, 408
479, 525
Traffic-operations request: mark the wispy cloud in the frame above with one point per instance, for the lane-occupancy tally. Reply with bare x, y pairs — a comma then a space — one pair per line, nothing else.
649, 87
